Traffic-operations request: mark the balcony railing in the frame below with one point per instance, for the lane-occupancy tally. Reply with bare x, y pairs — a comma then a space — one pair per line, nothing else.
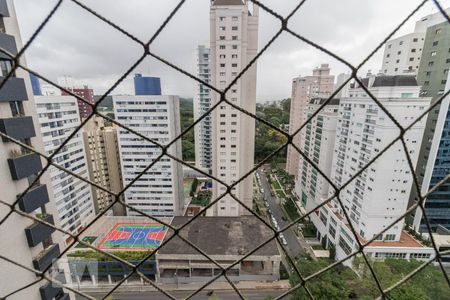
4, 9
8, 43
35, 198
45, 258
13, 90
24, 165
38, 232
17, 127
49, 291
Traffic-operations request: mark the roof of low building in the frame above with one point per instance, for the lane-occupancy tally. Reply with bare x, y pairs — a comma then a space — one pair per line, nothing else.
397, 80
320, 101
221, 236
406, 240
228, 2
388, 80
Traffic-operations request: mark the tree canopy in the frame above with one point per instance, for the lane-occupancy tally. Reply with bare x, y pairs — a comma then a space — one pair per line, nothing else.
268, 139
342, 283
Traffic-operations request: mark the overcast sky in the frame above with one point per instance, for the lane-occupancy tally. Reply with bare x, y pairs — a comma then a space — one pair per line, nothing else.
76, 43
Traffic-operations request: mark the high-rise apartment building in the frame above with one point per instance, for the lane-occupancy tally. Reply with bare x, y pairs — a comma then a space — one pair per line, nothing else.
59, 117
317, 142
233, 44
146, 85
35, 85
159, 192
80, 90
380, 194
403, 55
437, 204
319, 85
24, 241
102, 157
432, 76
202, 103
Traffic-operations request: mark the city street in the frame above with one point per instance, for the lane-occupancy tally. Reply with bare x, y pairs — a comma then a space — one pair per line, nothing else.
293, 246
202, 295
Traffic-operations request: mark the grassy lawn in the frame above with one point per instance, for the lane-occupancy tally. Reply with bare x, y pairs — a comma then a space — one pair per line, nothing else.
317, 247
276, 185
280, 194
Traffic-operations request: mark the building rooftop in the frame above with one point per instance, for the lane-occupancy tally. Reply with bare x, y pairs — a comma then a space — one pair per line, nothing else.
406, 240
397, 80
228, 2
385, 80
221, 236
320, 101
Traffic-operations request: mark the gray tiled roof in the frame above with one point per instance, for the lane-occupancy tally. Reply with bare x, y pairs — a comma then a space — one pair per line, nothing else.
221, 236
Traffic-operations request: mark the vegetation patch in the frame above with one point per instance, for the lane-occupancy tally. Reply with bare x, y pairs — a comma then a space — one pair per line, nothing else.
291, 209
342, 283
125, 255
203, 198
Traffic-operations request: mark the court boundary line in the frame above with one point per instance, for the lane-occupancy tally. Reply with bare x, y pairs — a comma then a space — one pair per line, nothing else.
101, 244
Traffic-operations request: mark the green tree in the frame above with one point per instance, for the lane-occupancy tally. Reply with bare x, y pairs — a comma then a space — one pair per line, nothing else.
408, 292
186, 120
326, 286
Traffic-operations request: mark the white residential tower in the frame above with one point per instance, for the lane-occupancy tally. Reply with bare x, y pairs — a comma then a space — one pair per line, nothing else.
233, 44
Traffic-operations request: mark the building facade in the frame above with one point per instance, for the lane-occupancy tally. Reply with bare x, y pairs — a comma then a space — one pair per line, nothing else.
29, 243
233, 44
177, 262
404, 55
159, 191
102, 157
380, 194
81, 90
146, 85
319, 85
202, 103
432, 76
58, 117
317, 142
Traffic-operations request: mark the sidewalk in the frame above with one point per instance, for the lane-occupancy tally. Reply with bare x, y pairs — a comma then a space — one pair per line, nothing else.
243, 285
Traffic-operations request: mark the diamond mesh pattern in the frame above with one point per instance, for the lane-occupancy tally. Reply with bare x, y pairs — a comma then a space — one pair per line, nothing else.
146, 51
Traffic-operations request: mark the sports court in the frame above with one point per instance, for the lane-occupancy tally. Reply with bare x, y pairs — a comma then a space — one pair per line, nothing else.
134, 236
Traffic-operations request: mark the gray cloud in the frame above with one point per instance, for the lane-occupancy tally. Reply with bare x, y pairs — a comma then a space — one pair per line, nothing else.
77, 43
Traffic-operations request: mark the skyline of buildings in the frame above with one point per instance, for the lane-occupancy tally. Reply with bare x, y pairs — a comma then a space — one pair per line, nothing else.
341, 139
233, 44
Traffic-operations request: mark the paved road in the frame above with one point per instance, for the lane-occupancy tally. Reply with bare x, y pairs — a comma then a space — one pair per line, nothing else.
223, 294
293, 246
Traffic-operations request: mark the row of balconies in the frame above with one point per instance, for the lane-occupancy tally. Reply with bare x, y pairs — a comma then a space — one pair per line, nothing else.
23, 164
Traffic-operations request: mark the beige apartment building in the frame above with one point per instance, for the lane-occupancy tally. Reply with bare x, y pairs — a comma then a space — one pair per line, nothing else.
319, 85
233, 44
102, 157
